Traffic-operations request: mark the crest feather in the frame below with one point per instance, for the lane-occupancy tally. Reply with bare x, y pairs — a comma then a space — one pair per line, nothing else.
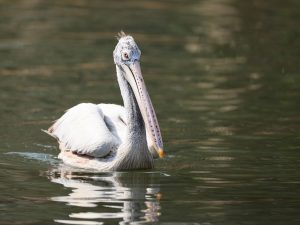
121, 34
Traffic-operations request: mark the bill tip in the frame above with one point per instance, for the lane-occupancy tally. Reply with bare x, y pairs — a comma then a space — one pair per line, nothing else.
161, 153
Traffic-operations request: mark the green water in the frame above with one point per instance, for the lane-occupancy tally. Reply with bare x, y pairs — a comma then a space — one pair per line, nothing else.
223, 76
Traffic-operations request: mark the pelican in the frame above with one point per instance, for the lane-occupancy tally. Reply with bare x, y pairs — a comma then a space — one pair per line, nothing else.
109, 137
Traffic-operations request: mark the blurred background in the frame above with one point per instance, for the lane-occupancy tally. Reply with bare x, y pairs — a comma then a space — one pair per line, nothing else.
224, 79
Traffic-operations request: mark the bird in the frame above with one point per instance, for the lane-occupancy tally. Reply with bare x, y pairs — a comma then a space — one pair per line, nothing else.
110, 137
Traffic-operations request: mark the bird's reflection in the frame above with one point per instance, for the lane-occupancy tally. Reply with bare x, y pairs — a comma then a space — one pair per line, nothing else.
125, 196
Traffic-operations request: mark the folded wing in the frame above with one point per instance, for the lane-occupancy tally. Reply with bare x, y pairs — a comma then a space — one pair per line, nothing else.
86, 130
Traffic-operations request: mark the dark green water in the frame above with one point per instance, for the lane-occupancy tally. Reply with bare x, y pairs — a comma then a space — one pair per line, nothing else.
224, 78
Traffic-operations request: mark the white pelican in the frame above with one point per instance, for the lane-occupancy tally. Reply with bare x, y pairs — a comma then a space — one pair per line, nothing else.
109, 137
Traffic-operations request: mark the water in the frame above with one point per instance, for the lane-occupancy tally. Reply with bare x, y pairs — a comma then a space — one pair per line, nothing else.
223, 76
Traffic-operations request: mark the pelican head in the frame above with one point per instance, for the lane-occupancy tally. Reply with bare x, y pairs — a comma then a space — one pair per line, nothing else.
126, 51
127, 59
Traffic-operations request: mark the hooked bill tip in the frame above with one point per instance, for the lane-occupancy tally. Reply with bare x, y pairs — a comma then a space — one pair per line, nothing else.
161, 153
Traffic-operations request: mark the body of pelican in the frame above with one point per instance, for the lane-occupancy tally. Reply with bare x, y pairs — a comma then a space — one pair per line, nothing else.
111, 137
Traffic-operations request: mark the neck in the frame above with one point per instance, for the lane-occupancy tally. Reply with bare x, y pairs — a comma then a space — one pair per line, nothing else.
135, 124
133, 152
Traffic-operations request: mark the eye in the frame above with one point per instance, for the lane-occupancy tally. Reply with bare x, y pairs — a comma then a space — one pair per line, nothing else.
125, 56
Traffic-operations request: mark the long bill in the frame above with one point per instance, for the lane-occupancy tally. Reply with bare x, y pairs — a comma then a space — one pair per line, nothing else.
134, 77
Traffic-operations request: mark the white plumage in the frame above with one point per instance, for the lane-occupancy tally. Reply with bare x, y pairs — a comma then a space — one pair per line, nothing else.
89, 129
112, 137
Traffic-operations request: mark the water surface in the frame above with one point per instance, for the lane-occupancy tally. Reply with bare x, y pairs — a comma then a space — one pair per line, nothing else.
223, 76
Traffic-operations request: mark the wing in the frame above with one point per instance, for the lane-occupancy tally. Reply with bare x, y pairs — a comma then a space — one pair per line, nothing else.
115, 119
83, 129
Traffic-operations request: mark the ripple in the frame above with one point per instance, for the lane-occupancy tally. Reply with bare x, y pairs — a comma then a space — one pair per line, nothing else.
42, 157
93, 215
78, 222
131, 200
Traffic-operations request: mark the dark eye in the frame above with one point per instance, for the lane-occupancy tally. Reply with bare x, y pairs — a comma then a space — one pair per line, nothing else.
125, 56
